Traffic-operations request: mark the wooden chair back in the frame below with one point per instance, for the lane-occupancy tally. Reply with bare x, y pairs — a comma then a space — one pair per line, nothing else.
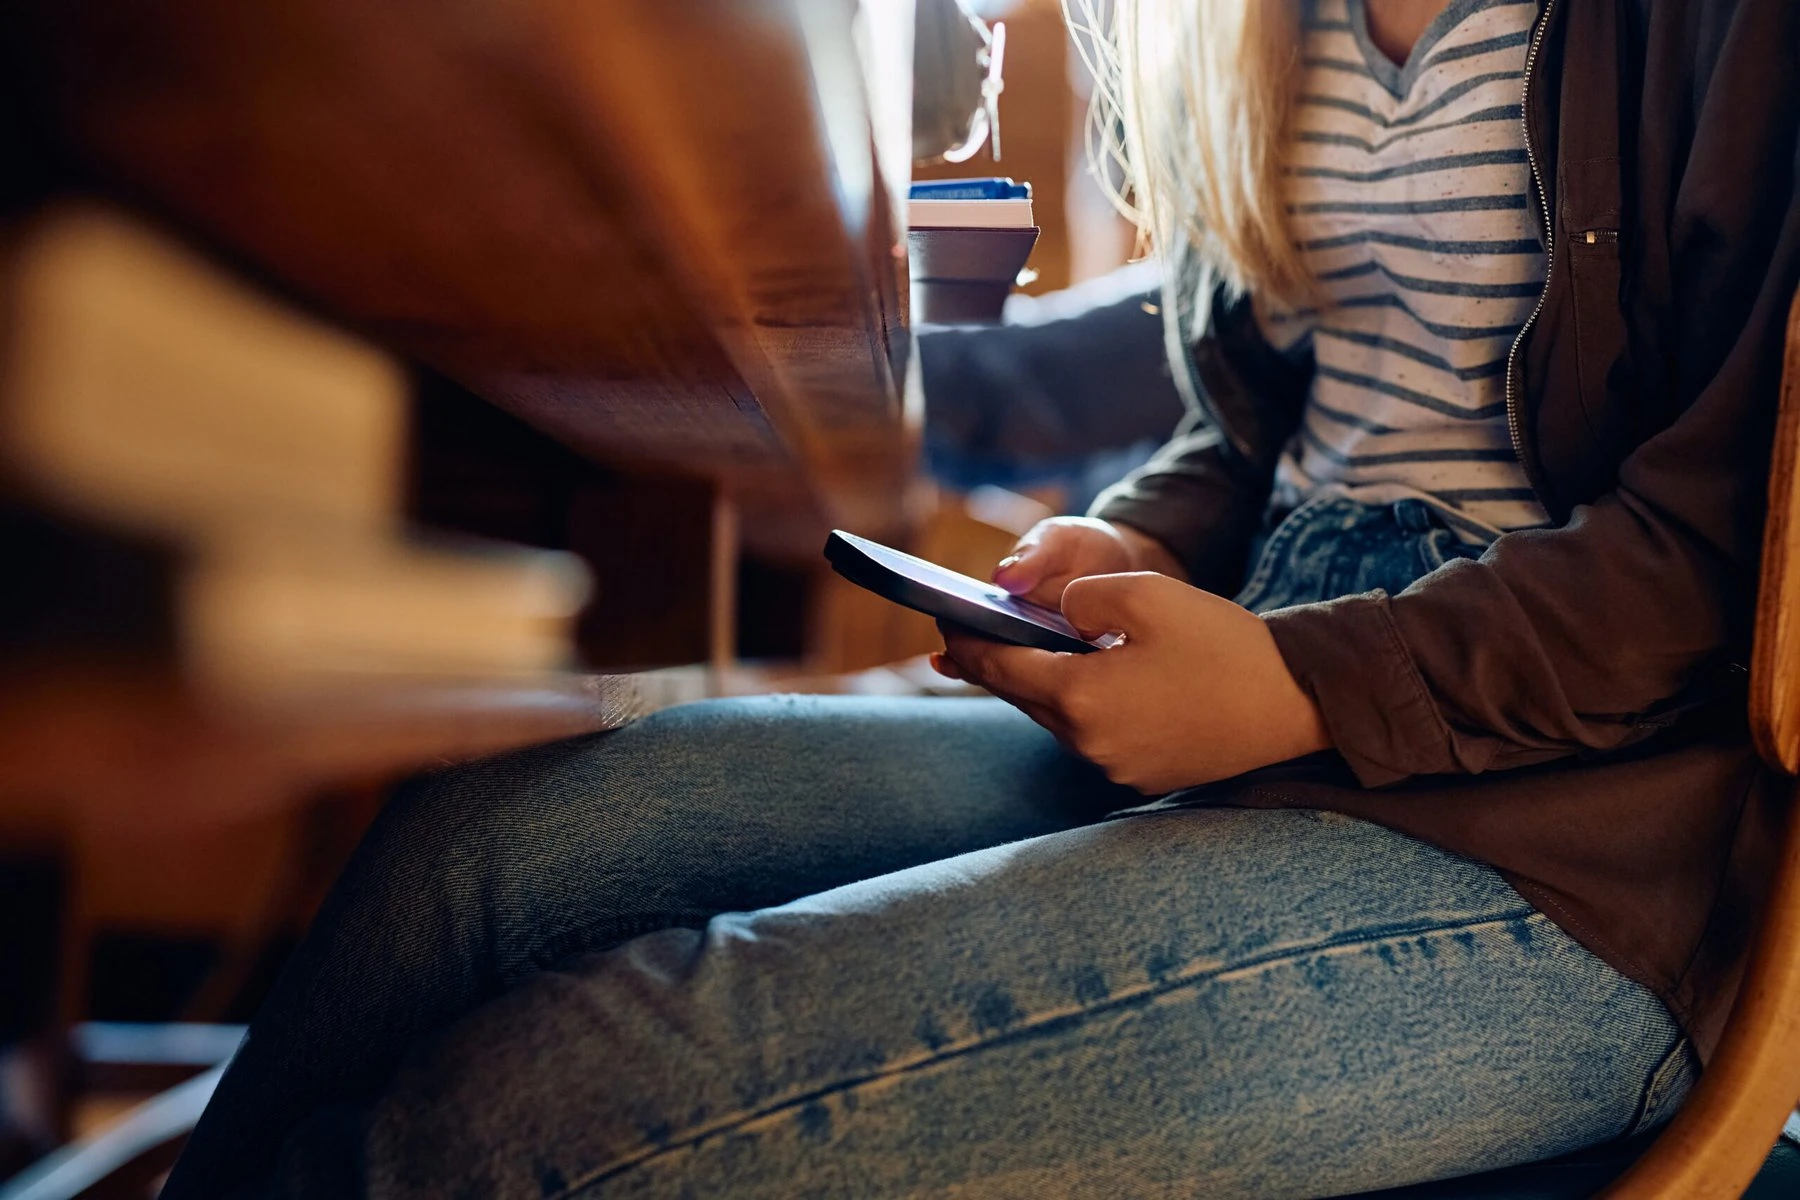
1713, 1149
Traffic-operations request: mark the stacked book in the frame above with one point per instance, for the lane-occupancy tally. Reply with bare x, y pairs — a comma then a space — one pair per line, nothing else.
147, 395
967, 241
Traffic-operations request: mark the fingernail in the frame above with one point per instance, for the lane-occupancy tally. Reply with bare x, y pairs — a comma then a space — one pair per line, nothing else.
1010, 560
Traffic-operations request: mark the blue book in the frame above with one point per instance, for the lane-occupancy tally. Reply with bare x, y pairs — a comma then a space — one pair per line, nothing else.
971, 189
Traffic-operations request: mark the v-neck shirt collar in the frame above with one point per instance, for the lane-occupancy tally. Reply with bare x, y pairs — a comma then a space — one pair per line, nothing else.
1399, 78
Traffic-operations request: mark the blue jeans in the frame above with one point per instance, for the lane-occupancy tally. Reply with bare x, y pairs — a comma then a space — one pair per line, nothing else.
791, 947
1331, 546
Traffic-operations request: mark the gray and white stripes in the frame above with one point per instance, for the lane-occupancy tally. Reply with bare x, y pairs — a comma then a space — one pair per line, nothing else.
1408, 188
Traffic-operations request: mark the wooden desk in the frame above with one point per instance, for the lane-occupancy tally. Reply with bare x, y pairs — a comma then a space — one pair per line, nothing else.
142, 748
657, 231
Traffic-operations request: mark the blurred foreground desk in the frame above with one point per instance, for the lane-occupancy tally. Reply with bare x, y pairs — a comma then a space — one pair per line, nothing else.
660, 232
658, 238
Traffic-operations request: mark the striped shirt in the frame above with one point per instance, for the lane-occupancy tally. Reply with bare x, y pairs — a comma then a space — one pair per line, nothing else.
1407, 188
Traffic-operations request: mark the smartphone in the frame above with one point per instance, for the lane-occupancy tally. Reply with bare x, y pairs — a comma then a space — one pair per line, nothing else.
983, 608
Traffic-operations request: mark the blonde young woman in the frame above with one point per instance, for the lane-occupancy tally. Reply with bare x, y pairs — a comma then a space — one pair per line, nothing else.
1433, 612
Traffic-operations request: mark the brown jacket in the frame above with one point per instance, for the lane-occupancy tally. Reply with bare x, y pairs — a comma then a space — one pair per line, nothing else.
1569, 707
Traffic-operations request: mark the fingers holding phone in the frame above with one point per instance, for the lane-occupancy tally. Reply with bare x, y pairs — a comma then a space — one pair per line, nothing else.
1197, 689
1057, 551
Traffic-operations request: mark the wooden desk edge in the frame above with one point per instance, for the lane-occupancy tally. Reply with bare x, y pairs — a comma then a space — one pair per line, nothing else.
123, 746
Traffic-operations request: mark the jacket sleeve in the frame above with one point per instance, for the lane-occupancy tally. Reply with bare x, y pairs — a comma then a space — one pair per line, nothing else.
1194, 497
1591, 635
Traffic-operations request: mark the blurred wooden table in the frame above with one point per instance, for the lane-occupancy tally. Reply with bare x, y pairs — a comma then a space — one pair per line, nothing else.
144, 749
659, 231
662, 232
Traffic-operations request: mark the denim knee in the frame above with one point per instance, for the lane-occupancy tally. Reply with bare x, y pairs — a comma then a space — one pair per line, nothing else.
492, 855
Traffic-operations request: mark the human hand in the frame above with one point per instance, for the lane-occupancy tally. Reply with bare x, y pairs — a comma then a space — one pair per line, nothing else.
1197, 691
1055, 551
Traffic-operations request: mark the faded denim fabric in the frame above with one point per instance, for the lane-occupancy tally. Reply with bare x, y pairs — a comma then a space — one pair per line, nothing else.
1332, 546
798, 947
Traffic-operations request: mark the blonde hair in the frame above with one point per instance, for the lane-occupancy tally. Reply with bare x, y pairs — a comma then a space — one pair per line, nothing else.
1191, 100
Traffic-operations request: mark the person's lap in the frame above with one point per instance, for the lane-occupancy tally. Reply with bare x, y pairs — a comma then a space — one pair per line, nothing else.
474, 878
904, 998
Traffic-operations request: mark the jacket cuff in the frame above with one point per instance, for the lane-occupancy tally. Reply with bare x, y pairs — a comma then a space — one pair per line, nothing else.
1149, 517
1203, 531
1347, 655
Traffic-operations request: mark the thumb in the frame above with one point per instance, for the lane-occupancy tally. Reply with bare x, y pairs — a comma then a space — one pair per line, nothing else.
1097, 604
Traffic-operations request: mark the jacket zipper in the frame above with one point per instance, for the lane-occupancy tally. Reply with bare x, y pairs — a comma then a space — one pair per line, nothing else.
1599, 237
1513, 420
